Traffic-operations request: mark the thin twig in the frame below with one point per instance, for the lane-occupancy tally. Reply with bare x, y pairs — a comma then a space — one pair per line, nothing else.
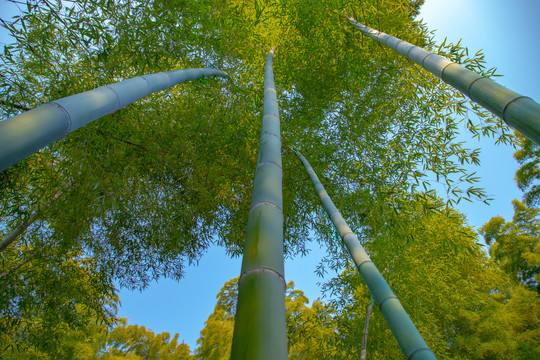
15, 106
20, 264
28, 259
21, 228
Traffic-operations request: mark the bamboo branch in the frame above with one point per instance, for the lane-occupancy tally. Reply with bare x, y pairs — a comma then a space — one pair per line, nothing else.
363, 352
18, 265
15, 106
8, 240
28, 259
109, 136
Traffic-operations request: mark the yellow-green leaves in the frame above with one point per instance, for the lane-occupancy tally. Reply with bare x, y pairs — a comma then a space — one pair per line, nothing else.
515, 245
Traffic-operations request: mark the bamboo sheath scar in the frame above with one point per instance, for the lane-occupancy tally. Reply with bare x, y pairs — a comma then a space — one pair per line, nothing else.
260, 331
24, 134
520, 112
409, 339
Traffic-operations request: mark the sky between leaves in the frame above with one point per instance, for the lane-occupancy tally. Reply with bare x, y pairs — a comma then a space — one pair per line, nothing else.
507, 34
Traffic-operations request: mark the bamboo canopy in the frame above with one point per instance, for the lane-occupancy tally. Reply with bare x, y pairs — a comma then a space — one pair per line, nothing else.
24, 134
520, 112
409, 339
260, 331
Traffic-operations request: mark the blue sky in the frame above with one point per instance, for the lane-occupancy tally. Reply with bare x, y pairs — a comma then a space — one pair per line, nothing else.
507, 32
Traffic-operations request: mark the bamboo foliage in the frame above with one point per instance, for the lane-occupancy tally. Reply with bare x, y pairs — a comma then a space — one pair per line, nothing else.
520, 112
409, 339
24, 134
260, 324
8, 240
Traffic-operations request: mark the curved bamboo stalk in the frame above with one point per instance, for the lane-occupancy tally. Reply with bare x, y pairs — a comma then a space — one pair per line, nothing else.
26, 133
409, 339
260, 326
520, 112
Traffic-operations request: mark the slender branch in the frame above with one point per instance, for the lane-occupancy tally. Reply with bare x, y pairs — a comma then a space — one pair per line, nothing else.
363, 352
8, 240
18, 265
28, 259
15, 106
109, 136
131, 143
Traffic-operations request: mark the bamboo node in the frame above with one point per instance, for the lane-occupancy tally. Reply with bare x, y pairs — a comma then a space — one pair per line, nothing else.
68, 117
262, 203
387, 298
269, 162
262, 269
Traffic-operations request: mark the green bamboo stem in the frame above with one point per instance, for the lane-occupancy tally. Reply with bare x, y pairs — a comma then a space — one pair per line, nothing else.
409, 339
260, 331
520, 112
26, 133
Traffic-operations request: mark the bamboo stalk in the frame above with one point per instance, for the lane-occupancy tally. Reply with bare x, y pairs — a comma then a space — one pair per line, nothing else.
520, 112
409, 339
363, 351
26, 133
260, 326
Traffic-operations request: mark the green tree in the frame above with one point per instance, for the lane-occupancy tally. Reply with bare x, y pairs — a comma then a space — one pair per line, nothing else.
529, 172
117, 340
53, 305
505, 329
328, 92
215, 340
136, 342
515, 245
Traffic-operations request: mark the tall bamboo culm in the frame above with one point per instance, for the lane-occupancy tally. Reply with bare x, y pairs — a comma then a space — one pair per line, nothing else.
409, 339
260, 331
24, 134
520, 112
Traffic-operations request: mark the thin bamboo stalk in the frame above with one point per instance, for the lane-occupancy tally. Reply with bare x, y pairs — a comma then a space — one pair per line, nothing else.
26, 133
520, 112
409, 339
260, 326
363, 351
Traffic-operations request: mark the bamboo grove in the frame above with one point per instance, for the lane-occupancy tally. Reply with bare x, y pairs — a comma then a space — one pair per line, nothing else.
145, 190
